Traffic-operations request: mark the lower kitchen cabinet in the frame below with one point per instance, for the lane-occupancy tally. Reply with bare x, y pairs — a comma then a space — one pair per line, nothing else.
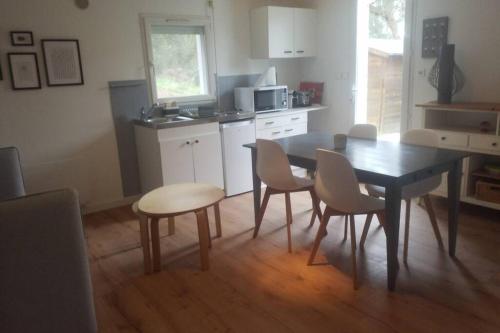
178, 155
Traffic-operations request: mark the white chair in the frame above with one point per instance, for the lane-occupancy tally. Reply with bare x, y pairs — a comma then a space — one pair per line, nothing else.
419, 137
337, 186
273, 168
363, 131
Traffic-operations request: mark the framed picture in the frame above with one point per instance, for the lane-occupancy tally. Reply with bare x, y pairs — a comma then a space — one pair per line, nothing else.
63, 65
21, 38
24, 72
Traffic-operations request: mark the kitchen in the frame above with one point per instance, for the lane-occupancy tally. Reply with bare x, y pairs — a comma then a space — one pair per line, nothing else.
206, 169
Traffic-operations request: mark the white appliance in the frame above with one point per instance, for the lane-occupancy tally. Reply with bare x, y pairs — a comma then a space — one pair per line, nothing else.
237, 160
261, 99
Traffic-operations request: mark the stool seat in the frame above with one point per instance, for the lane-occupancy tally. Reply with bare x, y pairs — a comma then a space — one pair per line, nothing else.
179, 199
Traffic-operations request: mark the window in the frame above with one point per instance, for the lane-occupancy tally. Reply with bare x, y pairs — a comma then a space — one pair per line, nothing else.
180, 59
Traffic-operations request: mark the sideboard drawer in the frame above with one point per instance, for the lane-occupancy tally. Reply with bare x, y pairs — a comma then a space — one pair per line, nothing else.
485, 142
450, 139
271, 133
297, 118
296, 129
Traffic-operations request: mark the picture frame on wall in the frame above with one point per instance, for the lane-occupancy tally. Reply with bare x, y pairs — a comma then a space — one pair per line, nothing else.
62, 62
21, 38
24, 72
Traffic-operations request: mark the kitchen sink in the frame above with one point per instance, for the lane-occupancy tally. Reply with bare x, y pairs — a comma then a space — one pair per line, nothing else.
167, 119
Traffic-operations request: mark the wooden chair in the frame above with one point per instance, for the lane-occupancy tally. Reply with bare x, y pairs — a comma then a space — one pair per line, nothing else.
274, 170
11, 175
363, 131
337, 186
420, 137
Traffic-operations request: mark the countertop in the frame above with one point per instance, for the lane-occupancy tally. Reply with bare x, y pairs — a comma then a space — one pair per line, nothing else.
229, 117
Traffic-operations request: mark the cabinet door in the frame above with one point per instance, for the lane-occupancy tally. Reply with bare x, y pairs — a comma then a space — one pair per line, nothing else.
280, 21
207, 159
305, 32
177, 161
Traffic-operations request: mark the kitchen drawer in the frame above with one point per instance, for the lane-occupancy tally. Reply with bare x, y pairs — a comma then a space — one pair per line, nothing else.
296, 129
297, 118
271, 122
271, 133
455, 140
485, 142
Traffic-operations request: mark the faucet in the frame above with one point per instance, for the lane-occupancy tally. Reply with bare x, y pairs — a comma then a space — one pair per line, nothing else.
146, 114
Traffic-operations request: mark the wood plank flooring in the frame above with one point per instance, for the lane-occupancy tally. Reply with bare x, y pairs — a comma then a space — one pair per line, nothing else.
256, 286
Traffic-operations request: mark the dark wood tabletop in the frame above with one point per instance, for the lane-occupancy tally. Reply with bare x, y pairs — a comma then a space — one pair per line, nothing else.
389, 164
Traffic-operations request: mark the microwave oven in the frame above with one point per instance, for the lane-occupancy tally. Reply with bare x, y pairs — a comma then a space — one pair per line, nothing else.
261, 99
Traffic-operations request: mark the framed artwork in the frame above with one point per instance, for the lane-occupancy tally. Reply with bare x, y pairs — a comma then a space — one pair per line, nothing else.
24, 72
62, 61
21, 38
434, 35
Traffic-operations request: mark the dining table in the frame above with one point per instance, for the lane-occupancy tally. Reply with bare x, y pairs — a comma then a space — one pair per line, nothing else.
391, 165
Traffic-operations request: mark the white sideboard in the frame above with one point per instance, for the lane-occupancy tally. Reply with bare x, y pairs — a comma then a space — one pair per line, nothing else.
459, 128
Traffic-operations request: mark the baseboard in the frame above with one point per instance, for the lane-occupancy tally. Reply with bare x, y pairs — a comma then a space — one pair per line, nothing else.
93, 208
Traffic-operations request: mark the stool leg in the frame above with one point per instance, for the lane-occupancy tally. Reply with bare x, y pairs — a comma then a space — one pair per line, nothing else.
155, 242
218, 226
171, 226
202, 221
144, 231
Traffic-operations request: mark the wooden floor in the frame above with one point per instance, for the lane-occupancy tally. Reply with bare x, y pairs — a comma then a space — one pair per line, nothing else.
256, 286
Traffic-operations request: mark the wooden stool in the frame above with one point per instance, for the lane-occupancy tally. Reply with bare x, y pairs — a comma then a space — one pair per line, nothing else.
173, 200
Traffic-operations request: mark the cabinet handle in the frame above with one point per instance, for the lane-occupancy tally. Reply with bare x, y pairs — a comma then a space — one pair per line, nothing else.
275, 133
300, 51
196, 141
296, 118
269, 123
289, 130
443, 138
287, 52
188, 142
494, 144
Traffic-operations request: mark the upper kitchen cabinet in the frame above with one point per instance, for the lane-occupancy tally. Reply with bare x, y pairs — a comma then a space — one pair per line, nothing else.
283, 32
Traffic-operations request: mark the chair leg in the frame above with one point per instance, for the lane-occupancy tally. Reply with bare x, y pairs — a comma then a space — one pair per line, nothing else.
368, 221
155, 244
203, 236
288, 220
171, 226
313, 218
218, 226
319, 235
346, 227
144, 231
262, 210
407, 229
432, 217
316, 207
353, 253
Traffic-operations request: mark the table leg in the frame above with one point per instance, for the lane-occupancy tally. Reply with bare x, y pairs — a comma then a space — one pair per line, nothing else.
171, 226
454, 181
155, 243
202, 221
392, 215
144, 231
256, 186
218, 226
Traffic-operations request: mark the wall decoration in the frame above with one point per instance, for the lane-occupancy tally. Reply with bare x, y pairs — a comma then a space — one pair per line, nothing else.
21, 38
434, 35
24, 72
445, 75
63, 65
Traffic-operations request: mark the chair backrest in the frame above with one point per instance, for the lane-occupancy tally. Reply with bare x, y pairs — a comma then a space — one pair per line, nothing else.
363, 131
336, 183
273, 167
11, 176
421, 137
45, 277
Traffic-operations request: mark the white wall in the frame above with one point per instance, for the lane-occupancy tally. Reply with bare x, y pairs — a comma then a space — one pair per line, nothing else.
335, 64
475, 30
65, 134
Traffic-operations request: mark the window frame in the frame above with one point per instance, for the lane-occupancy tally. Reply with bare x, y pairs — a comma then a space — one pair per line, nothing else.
208, 55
